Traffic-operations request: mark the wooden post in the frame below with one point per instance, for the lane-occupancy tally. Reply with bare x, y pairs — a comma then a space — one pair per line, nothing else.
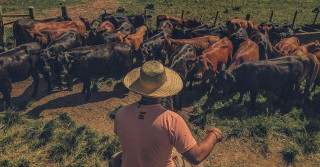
294, 18
215, 20
31, 13
145, 12
248, 17
182, 13
315, 19
64, 12
2, 33
270, 20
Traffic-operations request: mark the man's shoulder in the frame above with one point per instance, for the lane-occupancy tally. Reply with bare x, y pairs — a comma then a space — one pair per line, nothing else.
126, 108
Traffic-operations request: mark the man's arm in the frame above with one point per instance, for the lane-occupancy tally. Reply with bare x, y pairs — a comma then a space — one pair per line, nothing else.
203, 148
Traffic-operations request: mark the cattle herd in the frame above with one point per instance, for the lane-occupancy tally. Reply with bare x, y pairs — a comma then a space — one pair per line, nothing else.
237, 57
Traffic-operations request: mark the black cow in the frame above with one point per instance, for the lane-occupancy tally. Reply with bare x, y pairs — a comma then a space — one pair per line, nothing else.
107, 37
111, 58
17, 65
237, 38
179, 63
277, 31
153, 46
165, 26
281, 75
264, 44
200, 31
20, 26
65, 42
117, 20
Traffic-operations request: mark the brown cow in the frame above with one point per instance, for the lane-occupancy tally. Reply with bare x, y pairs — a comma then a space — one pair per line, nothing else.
106, 25
248, 50
188, 23
234, 24
200, 43
36, 31
208, 65
134, 40
286, 47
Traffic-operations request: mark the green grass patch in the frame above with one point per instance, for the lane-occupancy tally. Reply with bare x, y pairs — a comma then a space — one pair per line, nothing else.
39, 5
260, 10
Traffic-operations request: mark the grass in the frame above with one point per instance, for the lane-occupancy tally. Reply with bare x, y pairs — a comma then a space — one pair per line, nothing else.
260, 10
59, 142
39, 5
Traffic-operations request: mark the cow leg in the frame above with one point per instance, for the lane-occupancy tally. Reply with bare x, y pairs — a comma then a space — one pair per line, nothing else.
86, 87
35, 76
69, 82
241, 97
6, 89
47, 78
253, 98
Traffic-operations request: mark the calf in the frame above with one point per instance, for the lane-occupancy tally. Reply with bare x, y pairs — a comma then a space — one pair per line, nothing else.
234, 24
17, 65
104, 36
107, 59
248, 51
179, 63
280, 75
134, 40
286, 47
264, 45
188, 23
152, 46
20, 26
208, 65
200, 44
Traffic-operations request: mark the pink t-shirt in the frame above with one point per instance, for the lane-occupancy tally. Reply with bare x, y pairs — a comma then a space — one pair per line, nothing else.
148, 133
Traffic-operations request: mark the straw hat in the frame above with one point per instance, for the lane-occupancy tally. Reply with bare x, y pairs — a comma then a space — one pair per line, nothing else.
153, 80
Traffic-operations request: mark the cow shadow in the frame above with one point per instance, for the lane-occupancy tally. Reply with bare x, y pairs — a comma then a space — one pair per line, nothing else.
24, 100
190, 96
77, 99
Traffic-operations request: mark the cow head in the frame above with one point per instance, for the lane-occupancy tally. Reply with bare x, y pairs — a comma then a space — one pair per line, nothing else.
224, 82
201, 67
168, 46
312, 47
86, 22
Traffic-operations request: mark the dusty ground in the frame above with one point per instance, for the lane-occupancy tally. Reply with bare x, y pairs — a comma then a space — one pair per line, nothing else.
91, 10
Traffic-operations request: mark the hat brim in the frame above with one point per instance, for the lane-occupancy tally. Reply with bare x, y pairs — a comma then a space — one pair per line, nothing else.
172, 86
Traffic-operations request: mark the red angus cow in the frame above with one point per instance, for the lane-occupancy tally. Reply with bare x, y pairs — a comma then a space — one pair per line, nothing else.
248, 50
208, 65
286, 47
200, 43
106, 25
188, 23
134, 40
40, 31
234, 24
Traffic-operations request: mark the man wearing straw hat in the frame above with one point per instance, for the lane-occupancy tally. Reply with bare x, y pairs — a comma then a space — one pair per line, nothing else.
148, 132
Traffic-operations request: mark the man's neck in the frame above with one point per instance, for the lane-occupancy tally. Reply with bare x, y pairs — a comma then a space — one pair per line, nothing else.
149, 101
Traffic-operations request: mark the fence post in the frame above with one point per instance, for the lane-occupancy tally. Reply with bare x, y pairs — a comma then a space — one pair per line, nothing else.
2, 33
182, 13
248, 17
64, 12
145, 12
270, 20
294, 18
315, 19
31, 13
215, 20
